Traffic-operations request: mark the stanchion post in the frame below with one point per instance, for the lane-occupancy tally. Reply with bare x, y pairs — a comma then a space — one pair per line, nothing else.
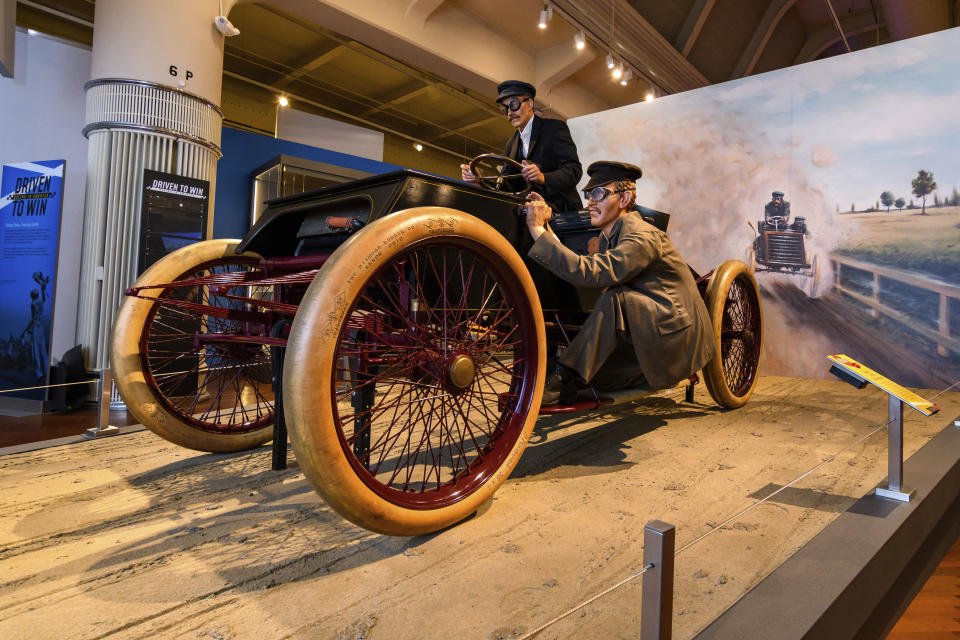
104, 390
895, 488
656, 613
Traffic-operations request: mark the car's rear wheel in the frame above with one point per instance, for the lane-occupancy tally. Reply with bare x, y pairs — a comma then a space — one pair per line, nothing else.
733, 301
202, 394
414, 371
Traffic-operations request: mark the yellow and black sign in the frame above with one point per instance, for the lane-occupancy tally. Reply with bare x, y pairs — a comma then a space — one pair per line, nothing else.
867, 374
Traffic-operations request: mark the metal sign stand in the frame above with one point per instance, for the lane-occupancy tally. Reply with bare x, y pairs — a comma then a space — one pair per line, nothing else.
103, 428
858, 375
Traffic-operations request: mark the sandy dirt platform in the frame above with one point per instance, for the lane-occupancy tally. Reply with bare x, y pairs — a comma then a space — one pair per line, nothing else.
132, 537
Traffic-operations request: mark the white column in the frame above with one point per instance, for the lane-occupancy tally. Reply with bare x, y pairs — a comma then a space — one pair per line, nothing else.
152, 103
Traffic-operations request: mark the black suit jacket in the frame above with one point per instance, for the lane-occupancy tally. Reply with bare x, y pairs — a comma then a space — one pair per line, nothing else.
553, 150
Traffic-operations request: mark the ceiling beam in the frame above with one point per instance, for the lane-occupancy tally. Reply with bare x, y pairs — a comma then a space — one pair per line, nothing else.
404, 94
761, 36
556, 64
826, 36
466, 124
419, 11
692, 25
325, 54
636, 41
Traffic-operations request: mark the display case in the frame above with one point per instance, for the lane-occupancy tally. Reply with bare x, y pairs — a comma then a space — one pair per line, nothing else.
287, 175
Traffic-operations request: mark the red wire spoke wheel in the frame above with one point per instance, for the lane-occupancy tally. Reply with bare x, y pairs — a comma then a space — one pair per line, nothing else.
187, 375
733, 301
414, 371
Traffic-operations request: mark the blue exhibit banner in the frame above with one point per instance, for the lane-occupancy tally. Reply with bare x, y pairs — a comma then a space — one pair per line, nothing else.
31, 195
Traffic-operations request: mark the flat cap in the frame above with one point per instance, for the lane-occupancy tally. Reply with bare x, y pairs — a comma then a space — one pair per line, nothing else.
777, 194
604, 172
509, 88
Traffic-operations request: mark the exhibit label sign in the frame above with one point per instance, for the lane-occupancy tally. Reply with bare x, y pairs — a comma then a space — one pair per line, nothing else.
174, 214
31, 195
864, 372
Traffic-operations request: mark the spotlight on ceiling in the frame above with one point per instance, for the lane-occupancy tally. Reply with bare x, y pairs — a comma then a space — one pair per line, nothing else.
580, 40
283, 101
545, 16
418, 146
626, 77
618, 72
649, 97
610, 63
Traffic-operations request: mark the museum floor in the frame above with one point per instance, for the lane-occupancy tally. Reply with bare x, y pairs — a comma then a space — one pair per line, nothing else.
131, 537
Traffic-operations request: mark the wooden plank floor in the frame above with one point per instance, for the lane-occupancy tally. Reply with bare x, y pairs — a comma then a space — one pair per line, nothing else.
935, 613
25, 429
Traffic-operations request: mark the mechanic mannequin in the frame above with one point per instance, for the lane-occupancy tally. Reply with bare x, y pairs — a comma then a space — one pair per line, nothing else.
777, 207
542, 145
650, 304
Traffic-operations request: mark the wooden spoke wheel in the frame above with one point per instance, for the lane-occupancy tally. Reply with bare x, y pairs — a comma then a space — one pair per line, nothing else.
414, 371
812, 278
194, 391
733, 301
499, 173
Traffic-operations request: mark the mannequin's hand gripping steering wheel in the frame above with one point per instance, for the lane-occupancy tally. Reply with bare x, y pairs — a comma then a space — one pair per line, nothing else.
500, 173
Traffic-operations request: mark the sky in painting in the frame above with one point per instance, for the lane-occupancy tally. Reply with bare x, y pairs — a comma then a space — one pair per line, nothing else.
830, 133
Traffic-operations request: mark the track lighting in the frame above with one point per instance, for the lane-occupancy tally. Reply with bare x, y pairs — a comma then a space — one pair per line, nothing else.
649, 97
545, 16
618, 72
418, 146
626, 77
283, 101
580, 40
610, 63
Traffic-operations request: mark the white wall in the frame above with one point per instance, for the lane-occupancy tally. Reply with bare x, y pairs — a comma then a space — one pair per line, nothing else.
41, 118
324, 133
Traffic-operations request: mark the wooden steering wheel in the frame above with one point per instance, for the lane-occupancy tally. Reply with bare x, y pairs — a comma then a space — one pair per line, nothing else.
499, 173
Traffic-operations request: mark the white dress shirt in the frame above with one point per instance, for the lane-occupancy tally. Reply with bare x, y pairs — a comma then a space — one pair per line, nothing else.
525, 136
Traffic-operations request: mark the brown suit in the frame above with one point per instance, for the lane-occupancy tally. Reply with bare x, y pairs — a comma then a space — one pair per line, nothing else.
649, 296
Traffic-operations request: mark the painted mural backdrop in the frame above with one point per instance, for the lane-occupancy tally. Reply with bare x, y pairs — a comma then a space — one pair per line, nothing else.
866, 148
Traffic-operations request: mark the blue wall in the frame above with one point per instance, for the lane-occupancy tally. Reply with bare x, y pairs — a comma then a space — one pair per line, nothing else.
242, 153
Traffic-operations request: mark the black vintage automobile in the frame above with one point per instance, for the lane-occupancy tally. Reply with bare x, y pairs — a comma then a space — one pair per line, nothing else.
779, 247
415, 336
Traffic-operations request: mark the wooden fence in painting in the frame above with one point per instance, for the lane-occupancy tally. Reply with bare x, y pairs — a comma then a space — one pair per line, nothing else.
941, 335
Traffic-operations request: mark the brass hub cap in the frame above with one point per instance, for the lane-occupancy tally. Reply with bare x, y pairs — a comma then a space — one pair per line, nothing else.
460, 372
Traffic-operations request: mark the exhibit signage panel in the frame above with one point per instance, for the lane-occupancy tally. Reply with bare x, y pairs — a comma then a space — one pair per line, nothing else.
174, 214
31, 195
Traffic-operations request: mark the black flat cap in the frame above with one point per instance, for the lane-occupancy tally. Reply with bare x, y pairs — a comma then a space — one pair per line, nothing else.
510, 88
604, 172
777, 194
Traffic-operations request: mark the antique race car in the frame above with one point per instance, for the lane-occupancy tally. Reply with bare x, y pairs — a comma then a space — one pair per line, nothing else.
415, 338
779, 247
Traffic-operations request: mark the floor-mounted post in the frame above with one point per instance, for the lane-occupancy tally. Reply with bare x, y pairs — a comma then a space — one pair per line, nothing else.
656, 614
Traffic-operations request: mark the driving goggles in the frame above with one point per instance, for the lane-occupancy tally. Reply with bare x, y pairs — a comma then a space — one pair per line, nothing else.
513, 104
600, 193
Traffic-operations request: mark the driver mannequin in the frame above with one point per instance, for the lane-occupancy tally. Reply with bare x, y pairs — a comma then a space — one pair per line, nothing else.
777, 208
542, 145
650, 305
